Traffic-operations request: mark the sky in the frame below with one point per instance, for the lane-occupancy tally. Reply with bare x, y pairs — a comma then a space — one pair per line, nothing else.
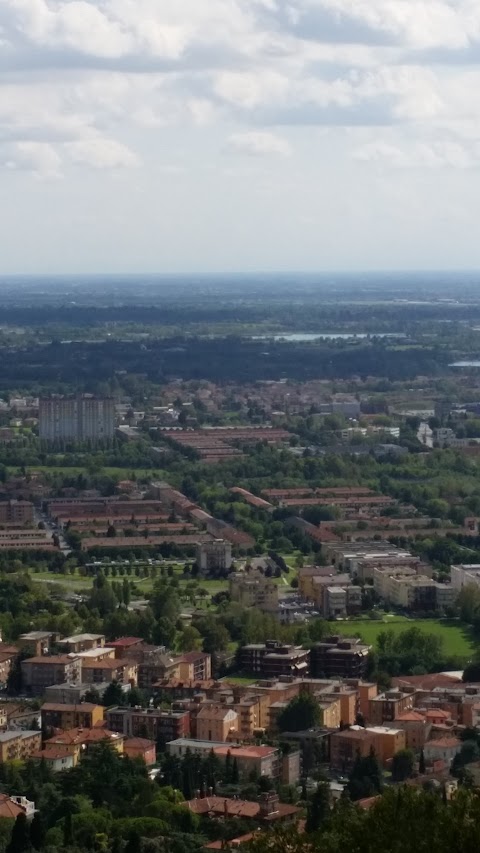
239, 135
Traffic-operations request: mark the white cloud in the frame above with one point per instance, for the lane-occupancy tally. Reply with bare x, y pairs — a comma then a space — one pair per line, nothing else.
101, 154
38, 158
258, 144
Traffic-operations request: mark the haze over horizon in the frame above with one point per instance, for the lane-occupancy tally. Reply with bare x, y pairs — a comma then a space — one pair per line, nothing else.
196, 136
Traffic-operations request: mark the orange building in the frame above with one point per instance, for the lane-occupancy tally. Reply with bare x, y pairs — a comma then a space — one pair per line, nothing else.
217, 722
139, 747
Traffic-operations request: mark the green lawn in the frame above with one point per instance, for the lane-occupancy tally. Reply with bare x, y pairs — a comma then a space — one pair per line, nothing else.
457, 638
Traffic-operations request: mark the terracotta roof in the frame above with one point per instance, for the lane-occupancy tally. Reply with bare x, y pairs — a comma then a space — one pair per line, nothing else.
410, 717
53, 706
8, 808
138, 743
107, 663
79, 736
438, 713
444, 742
245, 751
367, 802
215, 712
125, 641
52, 754
237, 808
191, 657
51, 659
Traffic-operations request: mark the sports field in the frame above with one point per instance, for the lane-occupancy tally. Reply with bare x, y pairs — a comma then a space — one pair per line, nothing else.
457, 638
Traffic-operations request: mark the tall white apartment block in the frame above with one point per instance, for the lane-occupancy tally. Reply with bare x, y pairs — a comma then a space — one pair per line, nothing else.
80, 418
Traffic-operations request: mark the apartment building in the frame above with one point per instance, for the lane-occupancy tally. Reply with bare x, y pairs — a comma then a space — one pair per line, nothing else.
217, 722
444, 749
151, 723
387, 706
16, 512
36, 642
253, 589
465, 574
273, 659
82, 642
84, 716
345, 746
411, 591
41, 672
80, 418
263, 760
339, 657
341, 601
195, 666
8, 655
108, 670
19, 745
214, 556
416, 728
137, 747
330, 713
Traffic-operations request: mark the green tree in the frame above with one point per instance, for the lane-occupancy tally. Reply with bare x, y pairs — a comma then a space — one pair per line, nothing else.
403, 764
318, 808
20, 839
302, 712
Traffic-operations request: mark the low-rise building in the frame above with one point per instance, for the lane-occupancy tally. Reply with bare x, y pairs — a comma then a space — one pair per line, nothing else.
57, 716
78, 740
416, 729
112, 669
253, 589
269, 810
445, 748
36, 642
273, 659
151, 723
13, 806
42, 671
387, 706
216, 722
19, 745
138, 747
214, 556
82, 642
339, 657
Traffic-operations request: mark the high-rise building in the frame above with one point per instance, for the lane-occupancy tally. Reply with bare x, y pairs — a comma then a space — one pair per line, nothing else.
80, 418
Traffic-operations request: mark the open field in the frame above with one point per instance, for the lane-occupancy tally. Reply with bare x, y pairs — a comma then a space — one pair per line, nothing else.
457, 638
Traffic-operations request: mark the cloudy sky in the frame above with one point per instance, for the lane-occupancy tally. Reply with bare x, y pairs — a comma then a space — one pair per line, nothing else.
198, 135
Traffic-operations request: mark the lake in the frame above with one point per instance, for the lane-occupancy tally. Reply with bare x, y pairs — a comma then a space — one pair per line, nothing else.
299, 337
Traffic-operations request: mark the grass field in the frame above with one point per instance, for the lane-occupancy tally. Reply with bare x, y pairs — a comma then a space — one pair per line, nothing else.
457, 638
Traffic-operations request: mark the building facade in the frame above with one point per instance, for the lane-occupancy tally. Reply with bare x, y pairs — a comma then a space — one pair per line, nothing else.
80, 418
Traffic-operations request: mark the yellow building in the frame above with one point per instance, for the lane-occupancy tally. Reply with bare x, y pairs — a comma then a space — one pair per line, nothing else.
217, 722
330, 714
58, 716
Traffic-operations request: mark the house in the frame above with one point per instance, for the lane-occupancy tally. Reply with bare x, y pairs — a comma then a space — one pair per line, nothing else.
445, 748
78, 740
269, 810
138, 747
58, 716
57, 759
12, 807
216, 722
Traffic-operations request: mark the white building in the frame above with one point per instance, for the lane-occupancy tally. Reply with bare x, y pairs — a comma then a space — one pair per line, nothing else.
465, 574
214, 556
80, 418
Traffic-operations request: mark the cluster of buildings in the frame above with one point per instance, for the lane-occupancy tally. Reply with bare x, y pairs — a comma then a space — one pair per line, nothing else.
400, 579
